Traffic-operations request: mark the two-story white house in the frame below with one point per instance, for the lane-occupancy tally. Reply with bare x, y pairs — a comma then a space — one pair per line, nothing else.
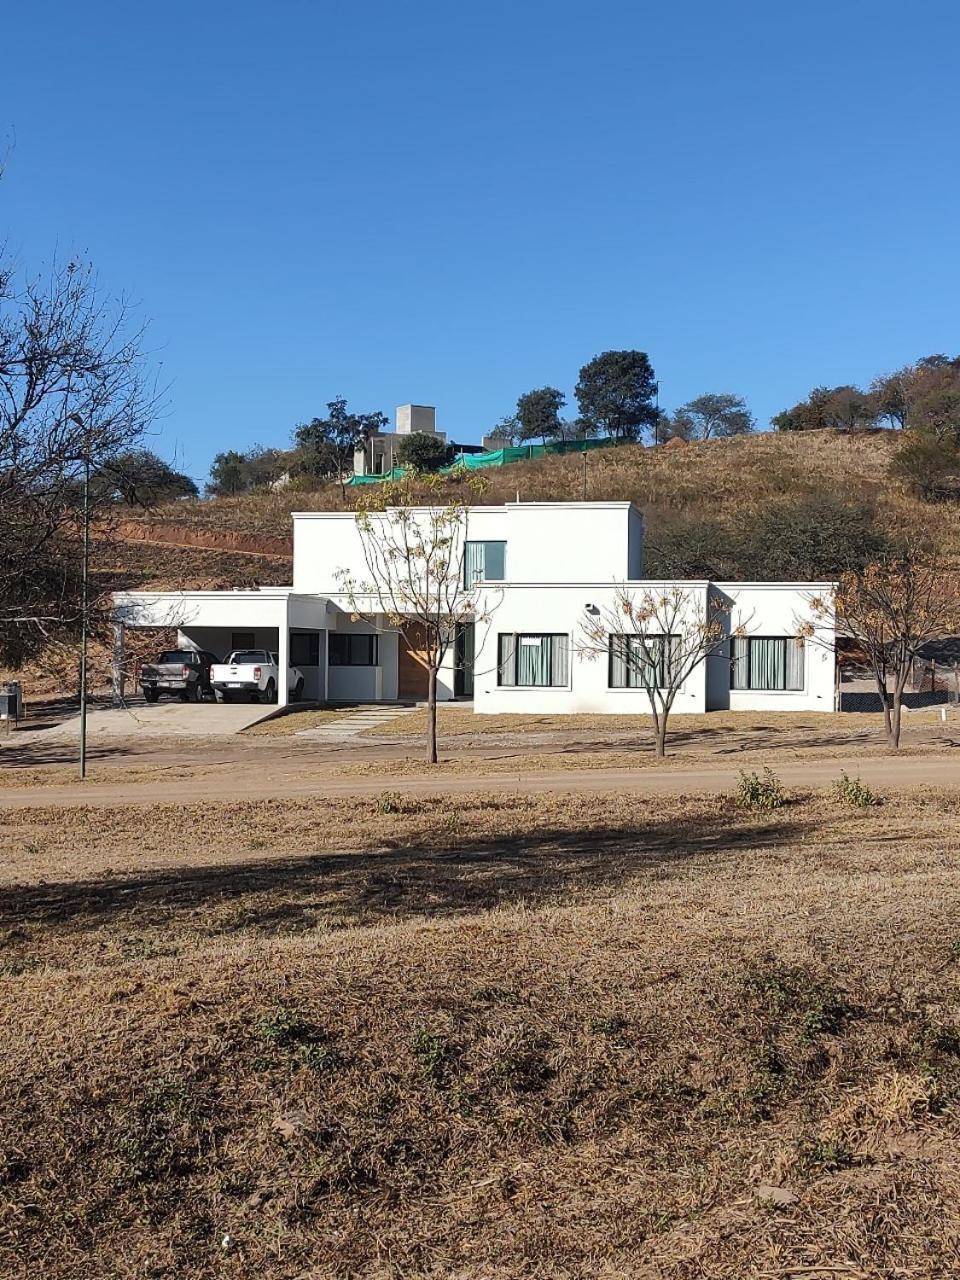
541, 569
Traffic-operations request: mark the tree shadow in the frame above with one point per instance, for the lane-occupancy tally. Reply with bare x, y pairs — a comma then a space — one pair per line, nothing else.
298, 893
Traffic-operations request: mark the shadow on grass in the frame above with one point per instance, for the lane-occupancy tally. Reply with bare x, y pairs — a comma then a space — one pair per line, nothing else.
291, 894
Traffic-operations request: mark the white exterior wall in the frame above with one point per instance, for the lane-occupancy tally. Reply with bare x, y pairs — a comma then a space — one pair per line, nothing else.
546, 542
783, 609
365, 684
563, 609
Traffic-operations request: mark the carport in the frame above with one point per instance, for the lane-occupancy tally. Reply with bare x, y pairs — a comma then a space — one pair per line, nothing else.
274, 618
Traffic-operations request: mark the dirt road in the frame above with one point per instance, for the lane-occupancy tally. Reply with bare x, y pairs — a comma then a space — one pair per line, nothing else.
880, 772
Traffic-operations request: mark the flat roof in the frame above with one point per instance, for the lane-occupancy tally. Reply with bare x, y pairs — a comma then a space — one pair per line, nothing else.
503, 506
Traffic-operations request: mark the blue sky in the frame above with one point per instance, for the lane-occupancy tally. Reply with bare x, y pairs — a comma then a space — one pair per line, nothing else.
453, 204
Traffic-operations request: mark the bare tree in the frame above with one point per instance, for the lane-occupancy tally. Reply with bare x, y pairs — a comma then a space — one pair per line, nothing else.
890, 610
655, 640
73, 396
414, 557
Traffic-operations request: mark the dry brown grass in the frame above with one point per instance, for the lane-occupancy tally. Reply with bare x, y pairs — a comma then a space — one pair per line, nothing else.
460, 721
295, 721
513, 1039
726, 477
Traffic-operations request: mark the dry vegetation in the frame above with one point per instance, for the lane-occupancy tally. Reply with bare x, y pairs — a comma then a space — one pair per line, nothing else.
724, 477
518, 1038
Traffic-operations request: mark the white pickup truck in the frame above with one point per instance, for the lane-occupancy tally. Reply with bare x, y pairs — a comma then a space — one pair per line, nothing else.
252, 673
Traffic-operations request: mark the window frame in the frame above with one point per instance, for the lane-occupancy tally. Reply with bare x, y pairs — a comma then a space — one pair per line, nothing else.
483, 542
517, 637
666, 659
748, 686
348, 638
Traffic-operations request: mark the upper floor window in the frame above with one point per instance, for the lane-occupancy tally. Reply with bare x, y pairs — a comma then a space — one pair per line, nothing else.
766, 663
641, 662
353, 649
484, 562
533, 661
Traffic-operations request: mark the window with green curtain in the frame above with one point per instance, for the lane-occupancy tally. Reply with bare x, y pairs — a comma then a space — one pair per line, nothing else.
768, 663
637, 663
528, 660
484, 562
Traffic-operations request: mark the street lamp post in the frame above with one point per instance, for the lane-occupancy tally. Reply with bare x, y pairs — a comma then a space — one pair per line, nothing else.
84, 613
84, 591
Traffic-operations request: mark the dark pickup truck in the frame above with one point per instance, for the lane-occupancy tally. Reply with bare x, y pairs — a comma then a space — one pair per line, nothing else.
184, 672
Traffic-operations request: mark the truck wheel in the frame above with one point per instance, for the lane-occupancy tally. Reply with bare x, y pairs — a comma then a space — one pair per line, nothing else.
194, 693
270, 693
151, 695
297, 691
221, 695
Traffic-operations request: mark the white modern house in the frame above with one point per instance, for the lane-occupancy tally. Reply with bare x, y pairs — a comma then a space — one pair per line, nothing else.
538, 572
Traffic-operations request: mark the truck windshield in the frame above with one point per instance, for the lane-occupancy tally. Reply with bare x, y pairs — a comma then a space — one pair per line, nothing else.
177, 655
240, 656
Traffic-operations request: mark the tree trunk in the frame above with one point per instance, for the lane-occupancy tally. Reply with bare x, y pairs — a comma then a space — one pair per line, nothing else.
661, 739
432, 716
895, 720
887, 716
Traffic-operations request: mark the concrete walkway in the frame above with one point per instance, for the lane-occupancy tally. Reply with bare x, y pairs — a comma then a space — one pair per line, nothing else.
168, 718
353, 723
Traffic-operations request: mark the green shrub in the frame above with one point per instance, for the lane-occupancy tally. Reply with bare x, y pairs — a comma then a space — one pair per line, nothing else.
760, 791
854, 792
389, 802
434, 1055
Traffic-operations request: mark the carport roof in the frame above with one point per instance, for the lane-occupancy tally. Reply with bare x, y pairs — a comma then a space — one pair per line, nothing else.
267, 605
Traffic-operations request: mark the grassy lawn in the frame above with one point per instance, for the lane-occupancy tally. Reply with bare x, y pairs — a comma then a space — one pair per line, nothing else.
520, 1037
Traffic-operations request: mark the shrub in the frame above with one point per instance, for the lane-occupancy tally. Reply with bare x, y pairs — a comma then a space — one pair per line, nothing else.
284, 1028
853, 792
389, 802
760, 792
434, 1055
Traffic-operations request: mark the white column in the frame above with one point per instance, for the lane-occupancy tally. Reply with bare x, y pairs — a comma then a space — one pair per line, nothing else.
283, 655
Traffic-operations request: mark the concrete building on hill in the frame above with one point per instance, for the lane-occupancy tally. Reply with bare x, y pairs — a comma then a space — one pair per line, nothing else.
378, 455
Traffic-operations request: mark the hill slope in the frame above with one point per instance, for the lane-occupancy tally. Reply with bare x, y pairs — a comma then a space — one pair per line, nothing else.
723, 480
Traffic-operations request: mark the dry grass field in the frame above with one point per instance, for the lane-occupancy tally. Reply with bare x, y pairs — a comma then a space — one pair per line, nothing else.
517, 1037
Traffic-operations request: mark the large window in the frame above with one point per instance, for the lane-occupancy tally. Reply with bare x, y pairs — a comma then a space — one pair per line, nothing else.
353, 649
484, 562
532, 661
767, 663
304, 649
637, 663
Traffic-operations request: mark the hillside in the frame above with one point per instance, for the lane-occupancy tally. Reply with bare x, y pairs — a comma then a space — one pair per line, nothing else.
698, 495
722, 480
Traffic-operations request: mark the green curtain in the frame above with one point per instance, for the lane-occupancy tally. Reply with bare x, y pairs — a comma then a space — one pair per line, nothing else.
533, 661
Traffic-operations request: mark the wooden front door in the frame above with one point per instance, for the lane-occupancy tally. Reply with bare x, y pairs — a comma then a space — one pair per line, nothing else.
412, 676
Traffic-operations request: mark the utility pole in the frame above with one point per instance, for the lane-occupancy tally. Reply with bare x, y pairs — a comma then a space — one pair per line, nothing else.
84, 590
656, 422
584, 498
84, 611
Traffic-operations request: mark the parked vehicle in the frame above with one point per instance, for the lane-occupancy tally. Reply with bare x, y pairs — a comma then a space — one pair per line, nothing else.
184, 672
253, 673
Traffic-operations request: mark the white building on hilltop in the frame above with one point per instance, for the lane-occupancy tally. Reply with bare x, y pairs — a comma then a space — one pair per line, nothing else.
540, 571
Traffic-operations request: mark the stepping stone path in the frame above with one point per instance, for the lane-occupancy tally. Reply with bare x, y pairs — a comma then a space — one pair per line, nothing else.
353, 723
